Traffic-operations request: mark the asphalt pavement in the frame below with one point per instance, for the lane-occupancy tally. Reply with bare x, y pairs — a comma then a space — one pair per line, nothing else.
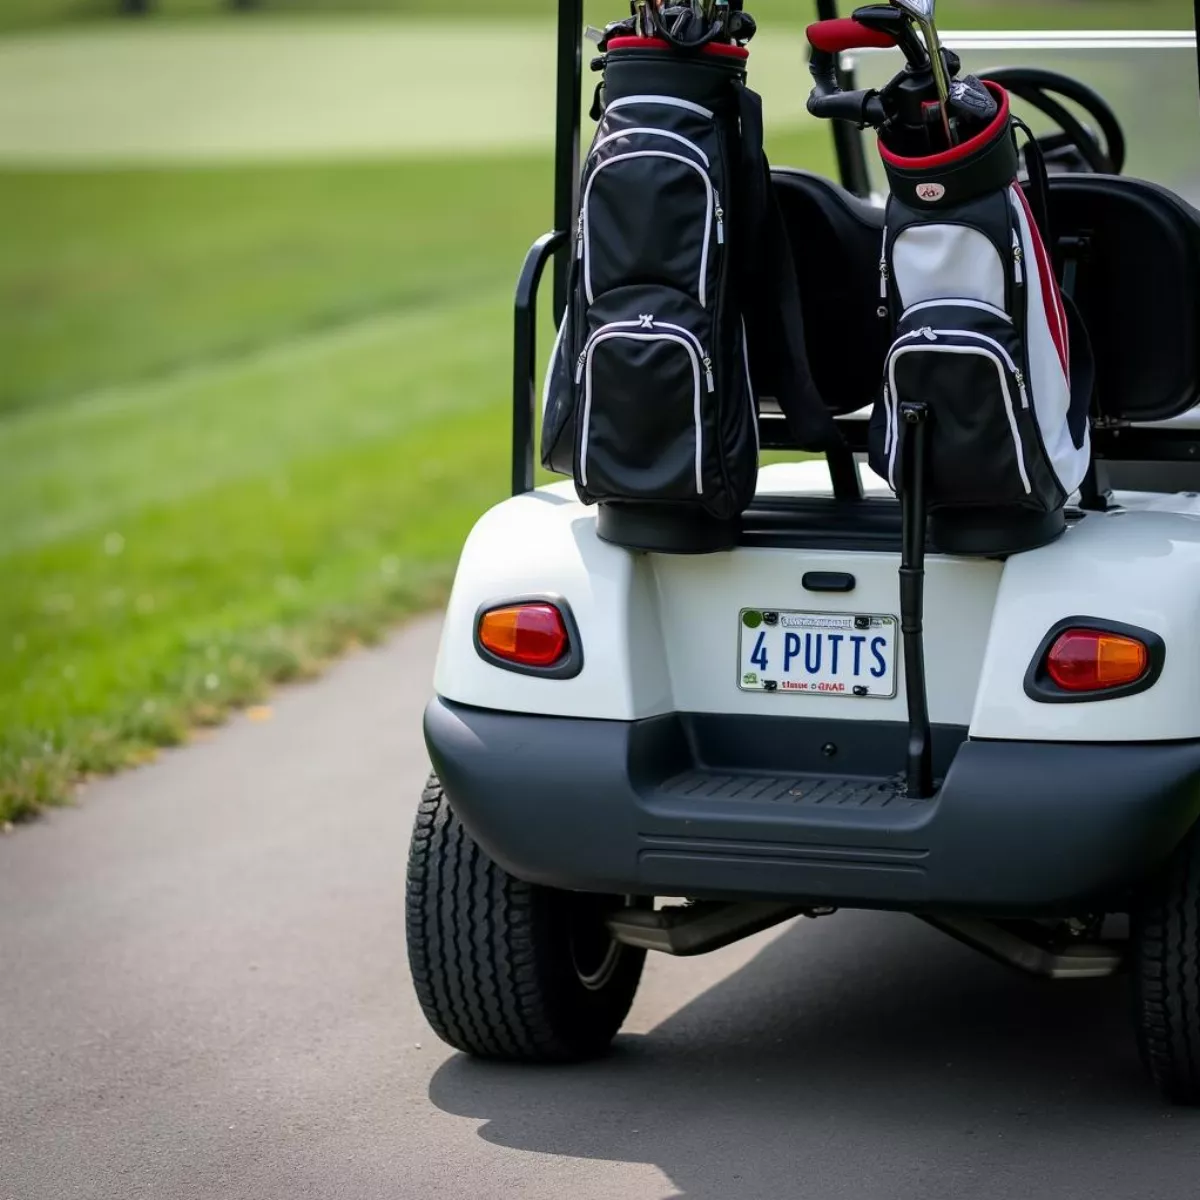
203, 993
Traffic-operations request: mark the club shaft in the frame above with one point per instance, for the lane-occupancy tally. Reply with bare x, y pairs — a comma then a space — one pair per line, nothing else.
938, 65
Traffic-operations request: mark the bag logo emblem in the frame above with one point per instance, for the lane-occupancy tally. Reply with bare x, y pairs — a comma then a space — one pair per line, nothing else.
647, 320
931, 193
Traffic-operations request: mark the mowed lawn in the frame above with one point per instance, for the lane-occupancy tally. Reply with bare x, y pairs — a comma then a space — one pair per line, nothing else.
249, 412
246, 416
1012, 14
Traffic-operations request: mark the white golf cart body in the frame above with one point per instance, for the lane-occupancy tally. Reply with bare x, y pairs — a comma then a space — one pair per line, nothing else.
660, 632
667, 762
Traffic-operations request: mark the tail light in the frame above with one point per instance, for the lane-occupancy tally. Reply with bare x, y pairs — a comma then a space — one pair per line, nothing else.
535, 637
1086, 660
1081, 660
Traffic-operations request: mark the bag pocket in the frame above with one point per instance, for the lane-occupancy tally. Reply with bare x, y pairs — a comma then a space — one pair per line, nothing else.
962, 358
646, 392
650, 211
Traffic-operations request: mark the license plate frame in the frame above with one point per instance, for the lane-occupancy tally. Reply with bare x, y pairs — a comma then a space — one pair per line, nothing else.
842, 638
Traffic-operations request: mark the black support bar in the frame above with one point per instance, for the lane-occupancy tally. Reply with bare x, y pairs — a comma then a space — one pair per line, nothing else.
566, 136
524, 413
919, 770
847, 141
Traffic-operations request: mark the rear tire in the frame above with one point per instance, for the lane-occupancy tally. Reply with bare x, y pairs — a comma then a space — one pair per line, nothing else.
1166, 962
505, 969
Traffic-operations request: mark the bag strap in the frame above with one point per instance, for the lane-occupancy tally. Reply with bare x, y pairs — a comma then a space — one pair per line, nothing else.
770, 294
1039, 180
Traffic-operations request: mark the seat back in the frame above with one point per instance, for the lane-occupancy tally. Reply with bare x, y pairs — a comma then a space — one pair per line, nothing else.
1135, 280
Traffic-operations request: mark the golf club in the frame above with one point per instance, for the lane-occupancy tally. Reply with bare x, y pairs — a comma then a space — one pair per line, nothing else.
922, 13
886, 19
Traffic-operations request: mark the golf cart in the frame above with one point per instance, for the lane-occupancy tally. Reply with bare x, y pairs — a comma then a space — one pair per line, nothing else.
642, 743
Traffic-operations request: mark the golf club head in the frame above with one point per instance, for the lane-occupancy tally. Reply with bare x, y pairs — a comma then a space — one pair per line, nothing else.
921, 11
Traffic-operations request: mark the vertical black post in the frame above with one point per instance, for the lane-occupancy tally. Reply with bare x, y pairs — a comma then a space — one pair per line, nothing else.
843, 473
847, 141
919, 772
566, 138
524, 417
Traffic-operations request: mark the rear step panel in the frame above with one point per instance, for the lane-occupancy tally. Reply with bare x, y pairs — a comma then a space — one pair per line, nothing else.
670, 806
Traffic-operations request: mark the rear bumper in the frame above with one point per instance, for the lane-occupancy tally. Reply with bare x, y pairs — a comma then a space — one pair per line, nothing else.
702, 807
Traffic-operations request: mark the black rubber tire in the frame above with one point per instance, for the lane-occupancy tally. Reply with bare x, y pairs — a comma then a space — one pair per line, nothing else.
1166, 976
495, 961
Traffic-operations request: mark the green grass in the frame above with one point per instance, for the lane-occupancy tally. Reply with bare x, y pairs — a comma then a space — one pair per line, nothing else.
1117, 14
250, 416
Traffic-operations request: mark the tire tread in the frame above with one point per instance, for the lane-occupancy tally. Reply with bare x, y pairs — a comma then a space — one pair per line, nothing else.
483, 953
1167, 977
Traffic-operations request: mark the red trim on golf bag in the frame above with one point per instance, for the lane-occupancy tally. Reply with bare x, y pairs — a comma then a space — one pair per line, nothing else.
1056, 314
845, 33
643, 43
956, 153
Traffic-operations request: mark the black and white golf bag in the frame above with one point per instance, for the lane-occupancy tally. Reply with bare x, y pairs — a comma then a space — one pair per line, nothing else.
682, 307
983, 340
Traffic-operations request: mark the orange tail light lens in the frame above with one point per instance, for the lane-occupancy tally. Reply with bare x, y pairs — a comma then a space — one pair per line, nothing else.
530, 635
1087, 660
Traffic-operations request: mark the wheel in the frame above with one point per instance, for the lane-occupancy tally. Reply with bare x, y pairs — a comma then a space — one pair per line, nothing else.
1166, 970
505, 969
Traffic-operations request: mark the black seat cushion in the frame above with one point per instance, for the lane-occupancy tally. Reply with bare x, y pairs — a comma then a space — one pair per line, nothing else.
836, 240
1137, 288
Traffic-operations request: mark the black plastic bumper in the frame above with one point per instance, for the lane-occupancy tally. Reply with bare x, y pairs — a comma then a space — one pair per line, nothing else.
713, 807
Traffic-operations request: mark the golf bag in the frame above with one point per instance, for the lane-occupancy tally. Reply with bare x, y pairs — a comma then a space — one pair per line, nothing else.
683, 308
984, 340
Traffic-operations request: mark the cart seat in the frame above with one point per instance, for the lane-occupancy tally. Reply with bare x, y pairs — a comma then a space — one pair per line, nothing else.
1135, 248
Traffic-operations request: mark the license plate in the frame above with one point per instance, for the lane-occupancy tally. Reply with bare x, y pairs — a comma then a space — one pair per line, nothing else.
825, 654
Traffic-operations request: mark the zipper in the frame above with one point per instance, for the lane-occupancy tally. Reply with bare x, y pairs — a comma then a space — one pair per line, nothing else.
893, 430
1018, 260
627, 329
669, 101
579, 236
648, 132
884, 275
932, 335
720, 215
1009, 410
708, 216
981, 305
887, 425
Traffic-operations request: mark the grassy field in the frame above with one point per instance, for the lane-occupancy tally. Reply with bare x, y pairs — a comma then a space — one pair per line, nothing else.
249, 416
248, 413
1144, 14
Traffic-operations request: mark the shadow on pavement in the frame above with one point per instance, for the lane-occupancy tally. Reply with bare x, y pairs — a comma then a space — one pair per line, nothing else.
862, 1056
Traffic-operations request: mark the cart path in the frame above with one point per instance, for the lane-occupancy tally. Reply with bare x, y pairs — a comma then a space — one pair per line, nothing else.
203, 994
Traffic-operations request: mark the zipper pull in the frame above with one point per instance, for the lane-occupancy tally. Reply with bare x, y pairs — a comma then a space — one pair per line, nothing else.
579, 236
926, 331
1021, 387
720, 218
883, 279
708, 374
1018, 260
579, 367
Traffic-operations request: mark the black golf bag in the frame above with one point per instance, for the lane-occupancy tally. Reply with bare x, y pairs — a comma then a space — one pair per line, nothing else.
683, 307
985, 342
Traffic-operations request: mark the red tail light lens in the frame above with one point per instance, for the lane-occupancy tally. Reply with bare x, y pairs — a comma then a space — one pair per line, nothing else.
1087, 660
529, 635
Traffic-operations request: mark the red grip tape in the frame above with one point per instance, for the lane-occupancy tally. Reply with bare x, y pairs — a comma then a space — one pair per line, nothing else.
845, 33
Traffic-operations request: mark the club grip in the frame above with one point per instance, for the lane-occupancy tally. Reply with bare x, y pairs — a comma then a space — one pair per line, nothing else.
845, 33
